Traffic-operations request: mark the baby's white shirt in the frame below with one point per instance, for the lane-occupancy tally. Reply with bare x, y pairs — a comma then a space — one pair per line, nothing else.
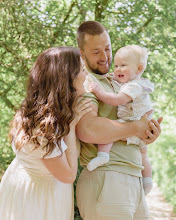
138, 90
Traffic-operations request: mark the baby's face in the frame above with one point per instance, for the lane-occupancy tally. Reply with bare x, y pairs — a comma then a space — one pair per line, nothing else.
126, 67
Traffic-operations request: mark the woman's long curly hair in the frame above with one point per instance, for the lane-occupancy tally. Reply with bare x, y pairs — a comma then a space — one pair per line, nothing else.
50, 100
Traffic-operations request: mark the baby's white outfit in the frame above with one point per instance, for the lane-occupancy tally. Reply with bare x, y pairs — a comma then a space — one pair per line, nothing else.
138, 90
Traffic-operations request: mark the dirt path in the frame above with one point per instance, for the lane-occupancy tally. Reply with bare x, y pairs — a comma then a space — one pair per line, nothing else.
159, 208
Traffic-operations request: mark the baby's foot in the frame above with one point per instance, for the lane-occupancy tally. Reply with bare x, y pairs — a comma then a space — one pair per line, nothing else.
99, 160
147, 184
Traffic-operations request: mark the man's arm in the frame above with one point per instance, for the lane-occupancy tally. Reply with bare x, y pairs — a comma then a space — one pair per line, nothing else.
98, 130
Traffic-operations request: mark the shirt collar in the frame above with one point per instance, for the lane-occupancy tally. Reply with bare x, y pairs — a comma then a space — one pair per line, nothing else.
102, 77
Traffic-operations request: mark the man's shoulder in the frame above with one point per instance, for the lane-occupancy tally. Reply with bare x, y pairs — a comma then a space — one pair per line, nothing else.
89, 79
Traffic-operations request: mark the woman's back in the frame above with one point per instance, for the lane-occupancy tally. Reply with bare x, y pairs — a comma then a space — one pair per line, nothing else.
38, 182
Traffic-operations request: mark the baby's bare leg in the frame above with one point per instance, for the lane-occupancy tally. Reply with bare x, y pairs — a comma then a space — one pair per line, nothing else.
104, 147
147, 171
101, 158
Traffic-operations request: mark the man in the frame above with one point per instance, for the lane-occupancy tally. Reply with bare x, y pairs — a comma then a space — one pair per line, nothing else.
113, 191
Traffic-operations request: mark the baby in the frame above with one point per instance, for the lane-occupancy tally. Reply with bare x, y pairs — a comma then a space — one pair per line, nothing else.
133, 102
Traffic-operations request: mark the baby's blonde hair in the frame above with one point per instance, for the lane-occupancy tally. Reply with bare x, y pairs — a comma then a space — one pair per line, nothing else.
140, 52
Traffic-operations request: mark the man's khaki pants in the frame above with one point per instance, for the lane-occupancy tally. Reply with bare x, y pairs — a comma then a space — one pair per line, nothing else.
109, 195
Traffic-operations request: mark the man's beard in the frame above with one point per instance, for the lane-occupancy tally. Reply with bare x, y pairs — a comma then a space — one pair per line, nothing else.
97, 71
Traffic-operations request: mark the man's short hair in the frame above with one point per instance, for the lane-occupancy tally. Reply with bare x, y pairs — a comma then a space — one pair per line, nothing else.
91, 28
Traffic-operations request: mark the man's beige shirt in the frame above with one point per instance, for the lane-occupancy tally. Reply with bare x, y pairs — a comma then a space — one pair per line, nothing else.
123, 158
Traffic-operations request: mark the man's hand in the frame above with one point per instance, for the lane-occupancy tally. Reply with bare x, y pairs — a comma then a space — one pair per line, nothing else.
155, 131
149, 130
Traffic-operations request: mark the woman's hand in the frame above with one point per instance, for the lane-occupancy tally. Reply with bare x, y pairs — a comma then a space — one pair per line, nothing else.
81, 109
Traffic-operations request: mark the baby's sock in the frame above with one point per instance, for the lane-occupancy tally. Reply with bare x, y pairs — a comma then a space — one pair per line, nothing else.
100, 159
147, 184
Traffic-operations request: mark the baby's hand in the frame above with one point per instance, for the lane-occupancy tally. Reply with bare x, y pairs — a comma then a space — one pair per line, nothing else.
114, 77
94, 87
111, 74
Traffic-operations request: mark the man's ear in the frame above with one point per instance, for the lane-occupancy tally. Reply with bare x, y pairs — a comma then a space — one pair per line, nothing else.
140, 68
82, 54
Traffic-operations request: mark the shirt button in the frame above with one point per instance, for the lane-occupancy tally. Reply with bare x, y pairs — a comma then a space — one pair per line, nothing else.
131, 108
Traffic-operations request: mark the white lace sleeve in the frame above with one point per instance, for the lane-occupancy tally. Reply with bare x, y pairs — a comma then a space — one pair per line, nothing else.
56, 151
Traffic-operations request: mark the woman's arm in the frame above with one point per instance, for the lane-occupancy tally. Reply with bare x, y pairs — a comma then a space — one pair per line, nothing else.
64, 167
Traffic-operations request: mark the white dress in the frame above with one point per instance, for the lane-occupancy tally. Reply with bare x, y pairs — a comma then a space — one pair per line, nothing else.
29, 192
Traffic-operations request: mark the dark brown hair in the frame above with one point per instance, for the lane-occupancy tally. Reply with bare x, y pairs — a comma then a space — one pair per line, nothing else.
88, 27
50, 100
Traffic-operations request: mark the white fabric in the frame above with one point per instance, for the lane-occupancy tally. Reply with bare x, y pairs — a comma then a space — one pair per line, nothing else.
28, 150
147, 184
29, 192
138, 90
101, 159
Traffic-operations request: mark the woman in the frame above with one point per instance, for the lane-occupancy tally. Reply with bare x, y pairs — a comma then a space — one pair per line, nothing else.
38, 182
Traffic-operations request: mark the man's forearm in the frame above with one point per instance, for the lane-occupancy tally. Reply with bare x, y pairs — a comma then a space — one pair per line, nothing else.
100, 130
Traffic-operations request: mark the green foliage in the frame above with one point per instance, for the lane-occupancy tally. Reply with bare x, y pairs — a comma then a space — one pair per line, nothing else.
163, 158
28, 27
